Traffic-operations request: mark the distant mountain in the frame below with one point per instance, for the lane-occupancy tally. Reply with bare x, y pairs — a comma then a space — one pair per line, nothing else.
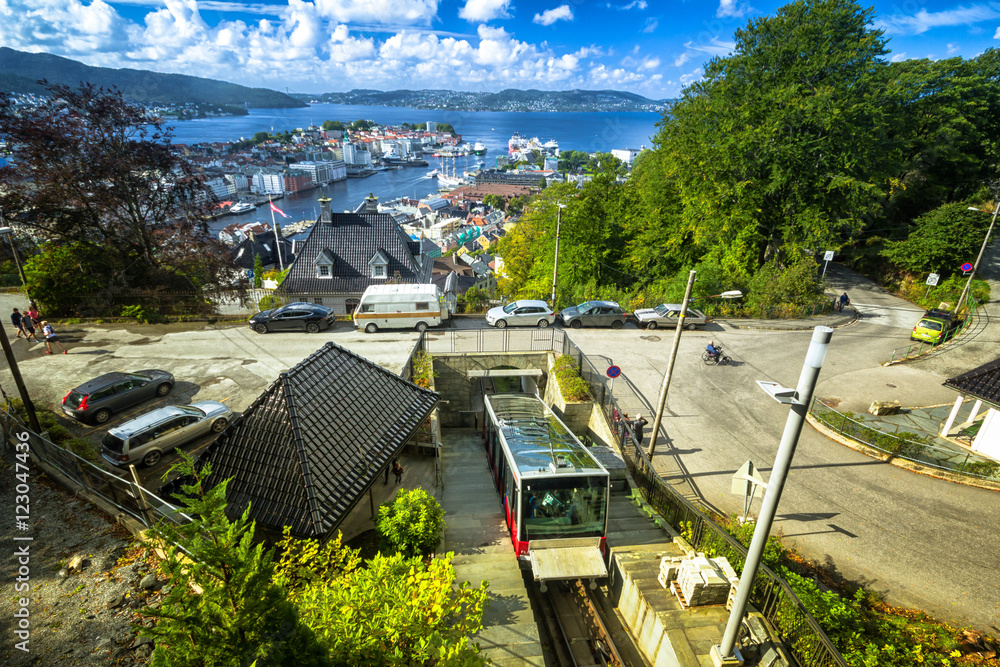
20, 70
505, 100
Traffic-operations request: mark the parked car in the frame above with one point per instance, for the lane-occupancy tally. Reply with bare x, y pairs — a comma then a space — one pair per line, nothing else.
932, 328
308, 317
594, 314
666, 315
148, 437
96, 400
521, 313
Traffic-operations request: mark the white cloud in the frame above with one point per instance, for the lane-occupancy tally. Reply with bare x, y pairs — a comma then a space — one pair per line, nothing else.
480, 11
378, 11
692, 76
922, 21
953, 49
650, 63
550, 16
996, 35
732, 9
637, 4
898, 57
714, 48
651, 24
682, 58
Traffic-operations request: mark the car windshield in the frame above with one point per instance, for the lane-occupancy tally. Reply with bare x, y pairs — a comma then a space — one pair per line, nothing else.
510, 307
74, 399
140, 377
113, 443
930, 324
583, 306
661, 310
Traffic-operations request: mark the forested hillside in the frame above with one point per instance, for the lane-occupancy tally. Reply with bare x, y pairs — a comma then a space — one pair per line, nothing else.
805, 139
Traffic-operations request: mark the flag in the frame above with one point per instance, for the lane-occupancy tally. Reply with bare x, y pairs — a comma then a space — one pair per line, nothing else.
278, 211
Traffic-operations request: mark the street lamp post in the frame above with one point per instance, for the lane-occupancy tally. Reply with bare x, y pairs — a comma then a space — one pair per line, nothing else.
975, 267
798, 399
662, 400
555, 264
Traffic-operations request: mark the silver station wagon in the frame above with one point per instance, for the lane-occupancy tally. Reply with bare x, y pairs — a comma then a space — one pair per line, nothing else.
146, 438
666, 316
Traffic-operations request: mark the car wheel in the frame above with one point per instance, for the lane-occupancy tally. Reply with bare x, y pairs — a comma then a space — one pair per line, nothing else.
371, 327
102, 416
500, 324
219, 425
617, 324
421, 326
152, 458
576, 324
542, 324
163, 389
688, 327
651, 325
312, 327
260, 327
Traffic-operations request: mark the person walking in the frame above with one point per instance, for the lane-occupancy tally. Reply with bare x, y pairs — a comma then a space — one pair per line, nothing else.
15, 319
33, 311
28, 326
638, 426
392, 466
51, 338
397, 470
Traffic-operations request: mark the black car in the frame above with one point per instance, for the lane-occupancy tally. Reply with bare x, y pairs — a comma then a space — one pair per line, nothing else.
309, 317
96, 400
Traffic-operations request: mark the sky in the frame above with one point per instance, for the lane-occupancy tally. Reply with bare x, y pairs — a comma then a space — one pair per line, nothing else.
650, 47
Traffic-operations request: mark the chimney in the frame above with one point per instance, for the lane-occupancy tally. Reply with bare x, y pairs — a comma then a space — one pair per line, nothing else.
325, 215
371, 203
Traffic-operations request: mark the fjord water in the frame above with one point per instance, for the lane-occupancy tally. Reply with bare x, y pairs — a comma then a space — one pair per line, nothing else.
581, 131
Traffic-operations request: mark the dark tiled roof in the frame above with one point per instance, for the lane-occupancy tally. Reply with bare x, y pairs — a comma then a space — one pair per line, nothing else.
982, 383
315, 440
353, 239
243, 252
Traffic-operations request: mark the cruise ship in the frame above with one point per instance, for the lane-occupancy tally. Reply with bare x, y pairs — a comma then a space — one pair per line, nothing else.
519, 144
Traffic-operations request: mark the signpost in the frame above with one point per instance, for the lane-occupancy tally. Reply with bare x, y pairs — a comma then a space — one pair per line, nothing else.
746, 481
966, 267
613, 372
827, 257
932, 281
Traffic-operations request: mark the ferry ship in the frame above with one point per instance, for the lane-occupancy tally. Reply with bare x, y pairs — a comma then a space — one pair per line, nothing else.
241, 207
479, 148
519, 144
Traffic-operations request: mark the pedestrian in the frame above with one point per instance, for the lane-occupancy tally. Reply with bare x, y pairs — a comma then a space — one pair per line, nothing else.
393, 466
50, 338
844, 301
28, 326
397, 470
15, 319
33, 311
638, 424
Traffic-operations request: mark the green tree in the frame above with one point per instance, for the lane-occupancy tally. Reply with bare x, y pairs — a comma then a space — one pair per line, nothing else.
260, 137
332, 125
57, 275
412, 523
783, 145
240, 618
258, 270
495, 202
940, 240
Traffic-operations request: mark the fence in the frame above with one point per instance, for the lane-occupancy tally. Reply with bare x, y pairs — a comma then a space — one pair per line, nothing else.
920, 347
127, 496
770, 594
942, 458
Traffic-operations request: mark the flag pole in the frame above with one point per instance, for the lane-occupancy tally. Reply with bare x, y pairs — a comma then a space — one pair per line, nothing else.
277, 240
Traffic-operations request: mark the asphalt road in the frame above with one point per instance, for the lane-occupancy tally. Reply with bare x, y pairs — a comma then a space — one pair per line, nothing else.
922, 542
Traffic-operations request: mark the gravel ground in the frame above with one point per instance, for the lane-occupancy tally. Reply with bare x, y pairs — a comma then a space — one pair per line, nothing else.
77, 615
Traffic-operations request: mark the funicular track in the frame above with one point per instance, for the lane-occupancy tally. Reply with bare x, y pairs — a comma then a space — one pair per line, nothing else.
579, 633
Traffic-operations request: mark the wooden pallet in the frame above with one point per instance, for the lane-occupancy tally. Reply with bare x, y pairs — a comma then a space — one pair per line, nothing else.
678, 594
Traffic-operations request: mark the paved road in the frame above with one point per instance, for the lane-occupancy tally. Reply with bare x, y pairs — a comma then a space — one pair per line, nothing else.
923, 542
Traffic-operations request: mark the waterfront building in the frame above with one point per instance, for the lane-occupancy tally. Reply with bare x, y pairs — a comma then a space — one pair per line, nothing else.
295, 180
268, 182
627, 155
220, 188
239, 181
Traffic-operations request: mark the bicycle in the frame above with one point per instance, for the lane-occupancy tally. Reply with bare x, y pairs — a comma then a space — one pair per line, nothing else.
720, 358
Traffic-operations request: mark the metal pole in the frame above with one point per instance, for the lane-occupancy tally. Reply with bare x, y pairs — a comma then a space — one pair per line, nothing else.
986, 242
555, 265
29, 407
789, 439
662, 401
277, 241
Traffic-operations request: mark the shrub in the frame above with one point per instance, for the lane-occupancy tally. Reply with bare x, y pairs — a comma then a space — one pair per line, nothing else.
143, 314
412, 523
423, 370
571, 385
270, 301
82, 448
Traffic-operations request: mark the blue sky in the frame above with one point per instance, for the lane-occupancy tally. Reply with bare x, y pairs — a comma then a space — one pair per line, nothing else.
651, 47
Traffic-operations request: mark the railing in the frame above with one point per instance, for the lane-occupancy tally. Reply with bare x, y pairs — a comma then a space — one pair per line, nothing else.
964, 463
127, 496
806, 640
922, 347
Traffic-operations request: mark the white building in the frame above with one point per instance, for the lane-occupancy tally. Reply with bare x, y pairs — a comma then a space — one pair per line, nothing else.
355, 156
627, 155
319, 172
551, 164
221, 188
432, 126
265, 182
239, 182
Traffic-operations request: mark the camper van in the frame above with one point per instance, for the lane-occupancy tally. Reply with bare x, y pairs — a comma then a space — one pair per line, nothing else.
400, 307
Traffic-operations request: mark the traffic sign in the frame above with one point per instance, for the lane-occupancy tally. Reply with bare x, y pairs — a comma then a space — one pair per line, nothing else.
614, 371
249, 273
967, 267
828, 256
933, 279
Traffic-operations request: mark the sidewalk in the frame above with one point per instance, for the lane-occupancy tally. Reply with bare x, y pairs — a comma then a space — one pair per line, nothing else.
833, 320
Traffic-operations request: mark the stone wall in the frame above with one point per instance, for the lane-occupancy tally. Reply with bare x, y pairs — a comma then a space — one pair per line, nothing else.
462, 392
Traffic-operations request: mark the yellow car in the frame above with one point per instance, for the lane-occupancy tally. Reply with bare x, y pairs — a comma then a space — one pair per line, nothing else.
931, 329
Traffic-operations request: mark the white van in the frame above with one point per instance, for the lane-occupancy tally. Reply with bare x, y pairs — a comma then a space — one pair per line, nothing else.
400, 307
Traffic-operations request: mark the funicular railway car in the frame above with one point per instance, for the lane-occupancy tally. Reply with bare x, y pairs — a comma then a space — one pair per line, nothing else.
554, 493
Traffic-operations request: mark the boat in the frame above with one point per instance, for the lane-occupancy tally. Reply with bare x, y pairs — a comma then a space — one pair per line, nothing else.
241, 207
479, 148
433, 173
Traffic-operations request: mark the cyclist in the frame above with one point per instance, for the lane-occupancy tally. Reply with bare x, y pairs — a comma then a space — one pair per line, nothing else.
713, 351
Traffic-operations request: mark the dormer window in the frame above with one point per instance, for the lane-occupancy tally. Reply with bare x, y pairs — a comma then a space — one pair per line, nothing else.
324, 264
379, 265
323, 271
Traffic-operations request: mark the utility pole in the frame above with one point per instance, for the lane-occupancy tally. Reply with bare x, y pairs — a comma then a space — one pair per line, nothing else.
975, 267
670, 368
29, 407
555, 265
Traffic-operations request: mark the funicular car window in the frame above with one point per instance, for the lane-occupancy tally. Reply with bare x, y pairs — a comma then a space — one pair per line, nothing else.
564, 507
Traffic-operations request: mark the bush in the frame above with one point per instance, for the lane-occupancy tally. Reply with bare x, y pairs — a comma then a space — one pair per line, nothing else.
572, 387
423, 370
270, 301
412, 523
143, 314
82, 448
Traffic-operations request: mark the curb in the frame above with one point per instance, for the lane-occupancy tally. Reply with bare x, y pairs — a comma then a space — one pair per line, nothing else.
977, 482
840, 322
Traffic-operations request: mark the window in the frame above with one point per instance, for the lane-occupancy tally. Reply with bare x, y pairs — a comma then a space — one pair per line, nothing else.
368, 308
323, 271
378, 271
423, 305
318, 300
